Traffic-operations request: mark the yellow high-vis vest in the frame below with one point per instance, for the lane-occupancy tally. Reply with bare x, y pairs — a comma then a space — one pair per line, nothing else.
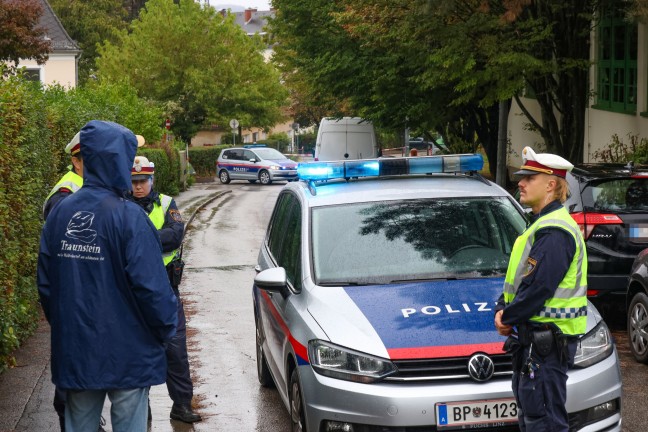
157, 217
567, 309
71, 180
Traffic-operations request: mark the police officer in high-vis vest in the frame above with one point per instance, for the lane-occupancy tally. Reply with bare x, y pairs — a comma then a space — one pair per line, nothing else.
164, 214
71, 181
543, 308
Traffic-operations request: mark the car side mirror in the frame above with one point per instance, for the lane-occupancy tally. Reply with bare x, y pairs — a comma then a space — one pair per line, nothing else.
272, 279
253, 160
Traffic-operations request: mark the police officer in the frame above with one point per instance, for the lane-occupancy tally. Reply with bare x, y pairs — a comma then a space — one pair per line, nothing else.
71, 181
544, 302
164, 214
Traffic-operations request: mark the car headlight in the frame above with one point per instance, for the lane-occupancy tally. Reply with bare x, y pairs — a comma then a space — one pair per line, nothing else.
275, 167
594, 346
342, 363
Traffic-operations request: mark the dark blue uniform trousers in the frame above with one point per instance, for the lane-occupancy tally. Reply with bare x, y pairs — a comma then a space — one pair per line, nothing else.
541, 400
178, 379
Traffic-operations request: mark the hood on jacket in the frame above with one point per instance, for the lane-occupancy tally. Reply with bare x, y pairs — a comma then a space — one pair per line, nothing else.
108, 150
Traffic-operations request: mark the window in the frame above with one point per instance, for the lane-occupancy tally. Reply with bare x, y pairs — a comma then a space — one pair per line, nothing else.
385, 242
247, 155
32, 74
284, 238
617, 61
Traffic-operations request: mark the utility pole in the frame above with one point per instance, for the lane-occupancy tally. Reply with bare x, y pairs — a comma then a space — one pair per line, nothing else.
502, 127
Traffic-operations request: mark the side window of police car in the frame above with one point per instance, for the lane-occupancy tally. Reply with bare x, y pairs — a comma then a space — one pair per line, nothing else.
248, 155
284, 238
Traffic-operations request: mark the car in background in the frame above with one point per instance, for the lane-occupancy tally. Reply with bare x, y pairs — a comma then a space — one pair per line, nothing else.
637, 303
610, 204
374, 302
345, 138
427, 148
254, 162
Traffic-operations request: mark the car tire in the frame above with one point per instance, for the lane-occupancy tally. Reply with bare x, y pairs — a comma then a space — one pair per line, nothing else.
263, 371
297, 416
638, 326
252, 181
224, 177
264, 177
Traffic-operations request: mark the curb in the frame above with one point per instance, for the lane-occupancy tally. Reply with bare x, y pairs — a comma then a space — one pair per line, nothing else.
203, 204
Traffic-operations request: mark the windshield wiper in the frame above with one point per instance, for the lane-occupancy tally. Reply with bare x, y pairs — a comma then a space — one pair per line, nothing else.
425, 279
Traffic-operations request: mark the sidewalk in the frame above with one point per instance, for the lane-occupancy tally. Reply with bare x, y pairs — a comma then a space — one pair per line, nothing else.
26, 391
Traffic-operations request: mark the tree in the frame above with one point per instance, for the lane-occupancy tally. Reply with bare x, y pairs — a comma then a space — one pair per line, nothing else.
91, 23
201, 64
443, 62
20, 36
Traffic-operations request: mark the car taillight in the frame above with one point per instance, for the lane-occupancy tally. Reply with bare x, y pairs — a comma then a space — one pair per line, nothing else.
587, 221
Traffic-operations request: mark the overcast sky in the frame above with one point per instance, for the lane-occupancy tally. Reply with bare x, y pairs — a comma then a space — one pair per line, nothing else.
239, 5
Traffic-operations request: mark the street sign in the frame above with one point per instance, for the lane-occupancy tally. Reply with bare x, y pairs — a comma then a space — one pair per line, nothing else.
234, 124
167, 124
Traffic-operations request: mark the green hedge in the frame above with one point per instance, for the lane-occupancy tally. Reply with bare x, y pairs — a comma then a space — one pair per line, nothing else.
27, 166
35, 125
203, 159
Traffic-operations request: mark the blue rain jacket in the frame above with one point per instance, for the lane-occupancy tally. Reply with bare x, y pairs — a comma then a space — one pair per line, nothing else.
101, 281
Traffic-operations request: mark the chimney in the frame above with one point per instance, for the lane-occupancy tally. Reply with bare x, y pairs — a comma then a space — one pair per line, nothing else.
248, 14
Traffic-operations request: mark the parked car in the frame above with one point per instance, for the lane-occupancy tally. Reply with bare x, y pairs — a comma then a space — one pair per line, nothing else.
374, 299
637, 303
344, 139
610, 204
254, 162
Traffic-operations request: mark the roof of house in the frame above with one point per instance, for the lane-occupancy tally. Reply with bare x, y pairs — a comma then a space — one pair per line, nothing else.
54, 30
256, 23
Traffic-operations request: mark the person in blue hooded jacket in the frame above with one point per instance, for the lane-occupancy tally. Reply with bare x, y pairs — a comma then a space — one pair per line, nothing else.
104, 290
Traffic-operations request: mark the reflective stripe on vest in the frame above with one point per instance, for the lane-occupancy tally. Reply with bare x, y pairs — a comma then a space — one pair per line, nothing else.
71, 181
157, 217
568, 307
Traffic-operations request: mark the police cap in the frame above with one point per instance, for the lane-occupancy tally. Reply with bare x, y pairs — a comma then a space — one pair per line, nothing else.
546, 163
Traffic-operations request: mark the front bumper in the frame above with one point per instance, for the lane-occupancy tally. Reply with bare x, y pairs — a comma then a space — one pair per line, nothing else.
283, 174
413, 404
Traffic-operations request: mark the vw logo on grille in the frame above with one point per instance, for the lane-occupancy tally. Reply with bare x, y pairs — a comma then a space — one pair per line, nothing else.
481, 367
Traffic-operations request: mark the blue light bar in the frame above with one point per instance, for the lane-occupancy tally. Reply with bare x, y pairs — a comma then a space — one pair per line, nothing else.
320, 171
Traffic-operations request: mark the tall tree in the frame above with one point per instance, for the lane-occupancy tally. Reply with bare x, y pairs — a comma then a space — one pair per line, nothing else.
200, 63
20, 36
465, 55
91, 23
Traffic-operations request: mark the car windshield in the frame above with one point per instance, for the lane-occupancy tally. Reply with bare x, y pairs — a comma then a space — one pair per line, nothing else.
269, 154
386, 242
626, 195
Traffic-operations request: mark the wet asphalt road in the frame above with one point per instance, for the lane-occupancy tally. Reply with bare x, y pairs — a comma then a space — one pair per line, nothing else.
220, 250
220, 253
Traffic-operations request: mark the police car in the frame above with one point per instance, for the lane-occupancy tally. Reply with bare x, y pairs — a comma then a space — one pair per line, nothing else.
374, 302
254, 162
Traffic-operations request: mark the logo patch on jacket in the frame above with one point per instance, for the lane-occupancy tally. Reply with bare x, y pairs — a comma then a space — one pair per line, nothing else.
531, 265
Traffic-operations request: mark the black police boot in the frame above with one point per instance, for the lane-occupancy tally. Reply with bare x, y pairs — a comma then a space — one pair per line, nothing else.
184, 413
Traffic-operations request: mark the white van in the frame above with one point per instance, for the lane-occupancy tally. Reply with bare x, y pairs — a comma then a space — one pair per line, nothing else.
345, 138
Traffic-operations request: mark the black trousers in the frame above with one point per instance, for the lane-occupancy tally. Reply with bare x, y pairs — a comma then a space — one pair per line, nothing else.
541, 400
178, 379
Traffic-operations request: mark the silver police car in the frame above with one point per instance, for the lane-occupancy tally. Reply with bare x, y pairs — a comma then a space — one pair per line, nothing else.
374, 300
254, 162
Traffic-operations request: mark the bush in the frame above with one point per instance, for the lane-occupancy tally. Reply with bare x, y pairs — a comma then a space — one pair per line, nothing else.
620, 152
27, 165
203, 159
35, 125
